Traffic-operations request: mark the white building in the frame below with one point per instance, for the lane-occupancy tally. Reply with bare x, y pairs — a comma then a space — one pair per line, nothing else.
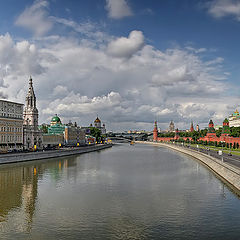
234, 119
32, 136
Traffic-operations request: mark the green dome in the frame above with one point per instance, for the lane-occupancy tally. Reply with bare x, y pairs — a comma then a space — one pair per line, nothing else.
56, 119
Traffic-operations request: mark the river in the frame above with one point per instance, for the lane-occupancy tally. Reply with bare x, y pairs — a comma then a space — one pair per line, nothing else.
126, 192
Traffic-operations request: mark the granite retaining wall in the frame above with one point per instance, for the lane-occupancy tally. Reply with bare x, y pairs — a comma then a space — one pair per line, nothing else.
22, 157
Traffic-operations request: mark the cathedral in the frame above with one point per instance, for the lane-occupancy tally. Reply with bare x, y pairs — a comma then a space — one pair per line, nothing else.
32, 136
98, 124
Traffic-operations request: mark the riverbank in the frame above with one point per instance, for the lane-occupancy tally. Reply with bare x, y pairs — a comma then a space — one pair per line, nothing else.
23, 157
228, 173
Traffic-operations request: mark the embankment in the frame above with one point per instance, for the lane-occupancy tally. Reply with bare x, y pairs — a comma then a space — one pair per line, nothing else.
23, 157
228, 173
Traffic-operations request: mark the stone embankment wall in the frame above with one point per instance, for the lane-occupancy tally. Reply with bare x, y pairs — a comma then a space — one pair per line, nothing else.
228, 173
22, 157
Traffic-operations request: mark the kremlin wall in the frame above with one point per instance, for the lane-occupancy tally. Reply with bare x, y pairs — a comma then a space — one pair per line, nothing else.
210, 136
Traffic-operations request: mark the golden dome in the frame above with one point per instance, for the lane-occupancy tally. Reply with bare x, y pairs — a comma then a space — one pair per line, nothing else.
236, 111
97, 120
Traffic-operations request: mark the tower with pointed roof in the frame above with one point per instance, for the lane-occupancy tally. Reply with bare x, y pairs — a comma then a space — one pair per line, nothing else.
30, 114
32, 136
155, 132
191, 127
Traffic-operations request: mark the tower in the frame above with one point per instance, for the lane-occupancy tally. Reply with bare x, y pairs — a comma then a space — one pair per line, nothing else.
30, 114
32, 136
197, 128
171, 127
211, 130
155, 132
226, 128
191, 128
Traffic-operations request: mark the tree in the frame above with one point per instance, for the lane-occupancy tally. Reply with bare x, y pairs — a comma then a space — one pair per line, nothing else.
95, 132
44, 128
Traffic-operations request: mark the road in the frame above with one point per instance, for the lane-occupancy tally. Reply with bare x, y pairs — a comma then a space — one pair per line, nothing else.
233, 160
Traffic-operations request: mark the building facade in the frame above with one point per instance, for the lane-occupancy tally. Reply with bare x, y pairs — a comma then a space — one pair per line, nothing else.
32, 136
74, 135
234, 119
11, 125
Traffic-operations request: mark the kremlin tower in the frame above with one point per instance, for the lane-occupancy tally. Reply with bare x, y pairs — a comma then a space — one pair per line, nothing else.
155, 132
191, 128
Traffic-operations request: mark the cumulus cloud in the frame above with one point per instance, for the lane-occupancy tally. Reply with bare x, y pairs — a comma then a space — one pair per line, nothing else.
36, 18
118, 9
223, 8
127, 83
126, 47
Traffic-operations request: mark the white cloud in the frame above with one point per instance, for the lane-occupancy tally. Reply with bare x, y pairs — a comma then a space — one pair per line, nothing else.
223, 8
36, 18
126, 82
118, 9
126, 47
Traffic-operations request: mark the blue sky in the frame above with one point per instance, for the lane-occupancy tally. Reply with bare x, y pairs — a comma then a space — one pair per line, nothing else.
129, 61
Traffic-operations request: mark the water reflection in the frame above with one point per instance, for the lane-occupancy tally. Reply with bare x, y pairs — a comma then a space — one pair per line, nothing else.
19, 189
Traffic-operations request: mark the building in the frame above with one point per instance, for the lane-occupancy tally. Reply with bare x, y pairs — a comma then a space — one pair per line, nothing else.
197, 128
63, 134
74, 135
234, 119
98, 124
52, 140
56, 126
32, 136
11, 125
171, 127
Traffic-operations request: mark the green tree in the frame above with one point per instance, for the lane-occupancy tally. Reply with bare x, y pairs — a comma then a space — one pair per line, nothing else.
44, 128
95, 132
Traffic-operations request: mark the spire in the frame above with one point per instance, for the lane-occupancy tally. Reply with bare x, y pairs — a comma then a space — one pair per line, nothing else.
30, 111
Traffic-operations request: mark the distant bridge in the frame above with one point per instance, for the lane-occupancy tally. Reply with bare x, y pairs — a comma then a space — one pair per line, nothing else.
120, 139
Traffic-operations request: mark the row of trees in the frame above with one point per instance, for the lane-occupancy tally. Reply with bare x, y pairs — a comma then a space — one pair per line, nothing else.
209, 143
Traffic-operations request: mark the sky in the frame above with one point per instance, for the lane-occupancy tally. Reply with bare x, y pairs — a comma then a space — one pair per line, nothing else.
128, 61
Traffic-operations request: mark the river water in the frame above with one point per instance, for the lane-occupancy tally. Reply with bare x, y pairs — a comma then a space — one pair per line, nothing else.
127, 192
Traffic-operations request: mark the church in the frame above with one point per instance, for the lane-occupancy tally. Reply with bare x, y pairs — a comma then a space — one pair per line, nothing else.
98, 124
32, 136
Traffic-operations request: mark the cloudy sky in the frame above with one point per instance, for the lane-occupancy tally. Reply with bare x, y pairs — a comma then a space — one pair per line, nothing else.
128, 61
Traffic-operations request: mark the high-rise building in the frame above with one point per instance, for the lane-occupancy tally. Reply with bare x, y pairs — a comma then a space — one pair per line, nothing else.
32, 136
